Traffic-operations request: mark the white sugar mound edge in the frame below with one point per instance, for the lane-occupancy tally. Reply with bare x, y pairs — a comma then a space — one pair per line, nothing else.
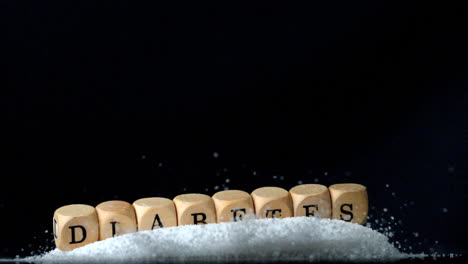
295, 238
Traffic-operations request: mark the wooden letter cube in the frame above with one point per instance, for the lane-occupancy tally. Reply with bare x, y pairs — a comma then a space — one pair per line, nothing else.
154, 213
195, 209
115, 218
349, 202
232, 205
311, 200
272, 202
74, 226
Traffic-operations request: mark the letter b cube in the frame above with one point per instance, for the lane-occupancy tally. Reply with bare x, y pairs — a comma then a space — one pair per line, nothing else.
195, 209
74, 226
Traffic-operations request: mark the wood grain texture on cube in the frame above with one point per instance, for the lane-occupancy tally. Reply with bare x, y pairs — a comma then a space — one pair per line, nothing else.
195, 209
272, 202
116, 218
155, 212
232, 205
349, 202
311, 200
74, 226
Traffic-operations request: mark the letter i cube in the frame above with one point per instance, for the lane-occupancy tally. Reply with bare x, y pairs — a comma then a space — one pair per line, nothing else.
115, 218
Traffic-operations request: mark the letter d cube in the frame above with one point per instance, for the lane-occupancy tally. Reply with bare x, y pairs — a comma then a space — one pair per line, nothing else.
74, 226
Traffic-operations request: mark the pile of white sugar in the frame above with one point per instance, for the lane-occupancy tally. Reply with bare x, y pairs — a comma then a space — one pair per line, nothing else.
289, 239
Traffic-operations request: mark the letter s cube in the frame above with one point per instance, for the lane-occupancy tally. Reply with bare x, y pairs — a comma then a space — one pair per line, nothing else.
349, 202
74, 226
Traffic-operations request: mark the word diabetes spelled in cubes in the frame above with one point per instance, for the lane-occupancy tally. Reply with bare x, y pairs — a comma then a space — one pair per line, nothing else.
77, 225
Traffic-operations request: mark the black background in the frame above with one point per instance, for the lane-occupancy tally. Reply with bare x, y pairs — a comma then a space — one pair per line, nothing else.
120, 100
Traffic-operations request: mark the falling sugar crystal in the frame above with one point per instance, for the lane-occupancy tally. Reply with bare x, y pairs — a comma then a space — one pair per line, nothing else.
289, 239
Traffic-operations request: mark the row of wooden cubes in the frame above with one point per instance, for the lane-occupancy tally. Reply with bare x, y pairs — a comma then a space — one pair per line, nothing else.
77, 225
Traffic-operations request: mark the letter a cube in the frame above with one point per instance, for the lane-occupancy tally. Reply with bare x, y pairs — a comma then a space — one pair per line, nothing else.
156, 212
